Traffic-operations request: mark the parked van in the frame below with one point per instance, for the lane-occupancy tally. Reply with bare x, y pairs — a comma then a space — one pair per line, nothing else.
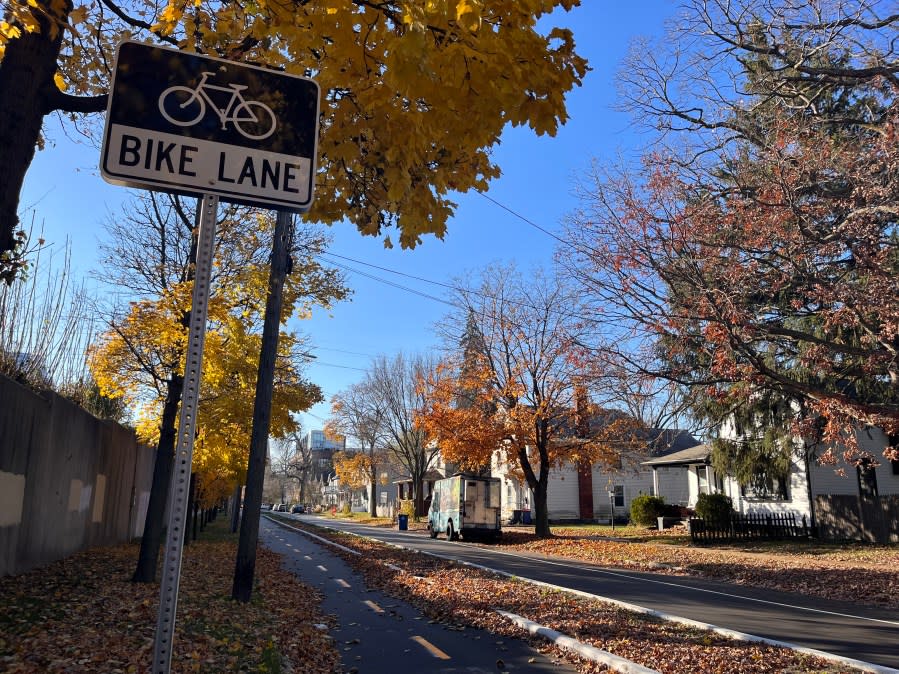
466, 505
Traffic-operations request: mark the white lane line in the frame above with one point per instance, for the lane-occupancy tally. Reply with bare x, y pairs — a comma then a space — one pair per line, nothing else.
373, 606
341, 582
321, 568
307, 557
700, 589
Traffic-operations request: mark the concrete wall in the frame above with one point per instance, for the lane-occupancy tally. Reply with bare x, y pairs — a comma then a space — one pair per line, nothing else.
68, 481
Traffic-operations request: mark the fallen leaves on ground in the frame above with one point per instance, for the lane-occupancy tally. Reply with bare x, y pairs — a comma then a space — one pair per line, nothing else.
83, 614
460, 597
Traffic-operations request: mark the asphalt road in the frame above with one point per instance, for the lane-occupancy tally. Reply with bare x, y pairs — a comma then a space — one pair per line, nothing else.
841, 628
377, 634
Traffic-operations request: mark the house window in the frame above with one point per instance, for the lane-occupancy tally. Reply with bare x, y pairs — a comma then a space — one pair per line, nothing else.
771, 488
703, 480
867, 479
619, 496
893, 440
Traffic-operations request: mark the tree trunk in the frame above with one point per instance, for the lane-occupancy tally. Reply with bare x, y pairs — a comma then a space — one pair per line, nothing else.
191, 505
373, 503
541, 513
539, 485
159, 490
235, 515
26, 87
245, 565
418, 497
541, 528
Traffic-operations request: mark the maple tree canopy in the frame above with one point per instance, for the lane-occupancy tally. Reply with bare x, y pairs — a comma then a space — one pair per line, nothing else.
753, 256
414, 93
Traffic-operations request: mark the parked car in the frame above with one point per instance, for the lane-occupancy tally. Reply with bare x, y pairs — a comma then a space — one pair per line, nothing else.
298, 508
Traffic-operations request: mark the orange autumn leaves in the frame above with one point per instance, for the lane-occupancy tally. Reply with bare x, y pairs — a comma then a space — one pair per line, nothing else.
471, 416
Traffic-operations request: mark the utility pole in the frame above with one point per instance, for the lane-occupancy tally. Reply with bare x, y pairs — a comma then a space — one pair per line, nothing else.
245, 565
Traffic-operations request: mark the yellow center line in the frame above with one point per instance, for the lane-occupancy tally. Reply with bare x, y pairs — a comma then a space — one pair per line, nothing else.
430, 648
373, 606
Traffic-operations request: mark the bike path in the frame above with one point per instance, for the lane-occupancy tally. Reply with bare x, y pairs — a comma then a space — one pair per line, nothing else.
378, 634
844, 629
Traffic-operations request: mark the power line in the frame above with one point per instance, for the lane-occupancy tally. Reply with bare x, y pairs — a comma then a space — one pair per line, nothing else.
390, 283
524, 219
392, 271
459, 289
354, 353
343, 367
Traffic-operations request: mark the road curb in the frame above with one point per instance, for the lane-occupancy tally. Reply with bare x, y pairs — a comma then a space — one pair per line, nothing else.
585, 651
687, 622
723, 631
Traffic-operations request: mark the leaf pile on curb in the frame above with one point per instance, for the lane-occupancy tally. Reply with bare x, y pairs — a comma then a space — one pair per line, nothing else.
459, 596
860, 574
83, 614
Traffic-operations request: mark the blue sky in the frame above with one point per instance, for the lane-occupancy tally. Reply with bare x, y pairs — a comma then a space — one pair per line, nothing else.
64, 191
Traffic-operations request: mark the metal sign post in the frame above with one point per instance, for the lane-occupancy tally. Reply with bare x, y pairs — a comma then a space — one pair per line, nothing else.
174, 546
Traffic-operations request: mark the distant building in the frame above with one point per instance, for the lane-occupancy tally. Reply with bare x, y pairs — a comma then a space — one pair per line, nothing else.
322, 450
317, 441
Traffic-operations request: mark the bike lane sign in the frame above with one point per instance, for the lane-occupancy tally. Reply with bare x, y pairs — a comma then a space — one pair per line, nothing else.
193, 124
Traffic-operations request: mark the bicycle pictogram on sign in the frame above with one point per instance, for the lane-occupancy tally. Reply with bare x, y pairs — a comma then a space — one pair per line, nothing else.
184, 106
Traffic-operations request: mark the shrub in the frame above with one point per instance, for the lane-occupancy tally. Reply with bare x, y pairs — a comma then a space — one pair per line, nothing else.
715, 509
645, 509
407, 507
345, 510
678, 511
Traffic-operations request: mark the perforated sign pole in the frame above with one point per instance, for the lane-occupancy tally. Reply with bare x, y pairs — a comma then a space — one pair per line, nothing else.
171, 571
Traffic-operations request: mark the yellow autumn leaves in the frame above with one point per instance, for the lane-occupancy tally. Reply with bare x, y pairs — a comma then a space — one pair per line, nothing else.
415, 93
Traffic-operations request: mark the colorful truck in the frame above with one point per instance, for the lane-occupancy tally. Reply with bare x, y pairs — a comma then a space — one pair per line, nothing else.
465, 505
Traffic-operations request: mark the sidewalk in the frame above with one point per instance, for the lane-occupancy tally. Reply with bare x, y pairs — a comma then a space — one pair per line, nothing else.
377, 634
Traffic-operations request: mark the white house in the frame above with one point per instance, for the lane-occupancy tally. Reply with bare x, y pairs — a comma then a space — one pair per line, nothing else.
842, 501
589, 493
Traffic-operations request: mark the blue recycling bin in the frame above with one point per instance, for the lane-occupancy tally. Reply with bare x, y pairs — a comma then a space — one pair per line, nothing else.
403, 521
526, 517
